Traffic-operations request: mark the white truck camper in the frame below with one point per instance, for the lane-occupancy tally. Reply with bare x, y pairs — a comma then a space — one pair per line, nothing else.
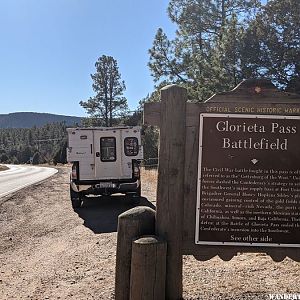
105, 160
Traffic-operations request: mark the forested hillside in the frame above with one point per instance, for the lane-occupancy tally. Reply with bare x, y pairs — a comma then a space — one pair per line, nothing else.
46, 144
30, 119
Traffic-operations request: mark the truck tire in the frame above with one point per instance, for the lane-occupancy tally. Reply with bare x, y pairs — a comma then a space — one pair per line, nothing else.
76, 199
134, 198
139, 190
76, 203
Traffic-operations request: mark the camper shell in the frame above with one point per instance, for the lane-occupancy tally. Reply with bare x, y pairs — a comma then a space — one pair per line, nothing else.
105, 160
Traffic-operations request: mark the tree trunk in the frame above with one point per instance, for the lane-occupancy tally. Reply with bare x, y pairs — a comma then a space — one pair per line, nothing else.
106, 111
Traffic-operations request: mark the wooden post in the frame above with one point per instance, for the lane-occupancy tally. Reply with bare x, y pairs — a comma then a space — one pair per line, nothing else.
148, 269
133, 223
170, 191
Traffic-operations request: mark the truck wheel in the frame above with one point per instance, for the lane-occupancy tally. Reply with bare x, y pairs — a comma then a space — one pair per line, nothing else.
133, 198
136, 199
75, 199
76, 203
139, 190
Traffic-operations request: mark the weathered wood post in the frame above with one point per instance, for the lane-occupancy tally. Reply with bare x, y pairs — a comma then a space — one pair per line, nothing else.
170, 191
132, 224
148, 269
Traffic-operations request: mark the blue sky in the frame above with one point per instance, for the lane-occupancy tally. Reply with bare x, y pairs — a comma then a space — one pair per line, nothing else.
49, 48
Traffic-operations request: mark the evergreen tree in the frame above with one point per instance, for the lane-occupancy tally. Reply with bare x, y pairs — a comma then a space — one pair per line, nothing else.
20, 144
208, 30
109, 102
272, 44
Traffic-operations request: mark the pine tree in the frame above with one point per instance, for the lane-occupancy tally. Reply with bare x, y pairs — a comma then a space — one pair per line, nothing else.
109, 102
273, 43
208, 30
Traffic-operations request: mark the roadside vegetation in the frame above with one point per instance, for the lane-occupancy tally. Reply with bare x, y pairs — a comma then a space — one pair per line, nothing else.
46, 144
3, 168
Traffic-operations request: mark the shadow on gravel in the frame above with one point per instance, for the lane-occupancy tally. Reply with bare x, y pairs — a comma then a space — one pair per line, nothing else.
100, 214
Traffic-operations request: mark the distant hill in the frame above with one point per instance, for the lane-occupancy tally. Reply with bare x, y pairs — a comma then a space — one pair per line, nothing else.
30, 119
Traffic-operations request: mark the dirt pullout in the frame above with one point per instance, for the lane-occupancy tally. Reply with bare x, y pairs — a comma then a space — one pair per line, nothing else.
48, 251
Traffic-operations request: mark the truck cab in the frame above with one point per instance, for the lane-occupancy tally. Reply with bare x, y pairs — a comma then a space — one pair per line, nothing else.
105, 161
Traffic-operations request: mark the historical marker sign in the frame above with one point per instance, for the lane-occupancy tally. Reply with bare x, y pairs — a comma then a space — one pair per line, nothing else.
248, 175
248, 180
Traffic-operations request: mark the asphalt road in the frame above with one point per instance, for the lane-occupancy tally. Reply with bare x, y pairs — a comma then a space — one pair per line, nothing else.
18, 177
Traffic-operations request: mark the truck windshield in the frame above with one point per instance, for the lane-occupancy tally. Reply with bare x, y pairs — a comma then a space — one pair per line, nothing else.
108, 149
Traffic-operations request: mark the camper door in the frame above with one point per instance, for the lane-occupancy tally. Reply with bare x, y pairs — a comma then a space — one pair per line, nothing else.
108, 151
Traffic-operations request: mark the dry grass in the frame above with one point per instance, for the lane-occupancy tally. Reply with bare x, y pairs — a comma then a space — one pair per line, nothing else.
149, 182
149, 175
3, 168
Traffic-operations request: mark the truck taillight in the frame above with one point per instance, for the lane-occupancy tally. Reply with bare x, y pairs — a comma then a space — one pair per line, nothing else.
136, 169
74, 174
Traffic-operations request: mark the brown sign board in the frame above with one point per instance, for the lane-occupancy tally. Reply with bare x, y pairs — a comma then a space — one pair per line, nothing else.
252, 100
248, 180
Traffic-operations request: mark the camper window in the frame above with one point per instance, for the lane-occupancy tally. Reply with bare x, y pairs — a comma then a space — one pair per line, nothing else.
108, 149
131, 146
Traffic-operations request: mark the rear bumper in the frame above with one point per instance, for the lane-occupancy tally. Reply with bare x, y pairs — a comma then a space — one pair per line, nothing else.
93, 188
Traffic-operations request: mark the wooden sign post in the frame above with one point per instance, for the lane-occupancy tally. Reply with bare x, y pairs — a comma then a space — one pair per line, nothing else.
229, 175
169, 212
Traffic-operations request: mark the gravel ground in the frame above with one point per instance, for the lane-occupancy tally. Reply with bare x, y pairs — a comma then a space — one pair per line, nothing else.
48, 251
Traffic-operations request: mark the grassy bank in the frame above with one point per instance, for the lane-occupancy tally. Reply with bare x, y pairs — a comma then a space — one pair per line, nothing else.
3, 168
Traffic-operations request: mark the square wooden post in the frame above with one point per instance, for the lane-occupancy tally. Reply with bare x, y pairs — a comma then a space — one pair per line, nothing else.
170, 191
